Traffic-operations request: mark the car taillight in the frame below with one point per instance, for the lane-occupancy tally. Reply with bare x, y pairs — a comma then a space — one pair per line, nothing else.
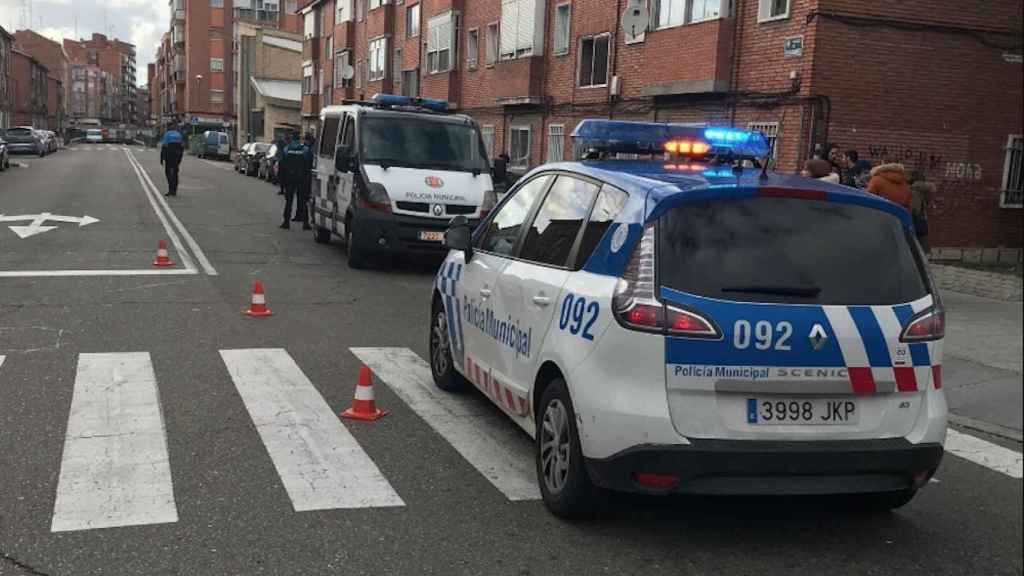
927, 325
637, 308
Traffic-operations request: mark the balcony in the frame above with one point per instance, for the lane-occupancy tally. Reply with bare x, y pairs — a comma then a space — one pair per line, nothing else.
522, 81
345, 35
311, 49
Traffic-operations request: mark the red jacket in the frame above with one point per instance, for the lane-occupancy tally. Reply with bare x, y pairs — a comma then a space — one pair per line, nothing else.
890, 182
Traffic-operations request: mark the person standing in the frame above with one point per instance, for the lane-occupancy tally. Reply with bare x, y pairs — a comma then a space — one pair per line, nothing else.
890, 182
172, 150
305, 183
856, 170
292, 164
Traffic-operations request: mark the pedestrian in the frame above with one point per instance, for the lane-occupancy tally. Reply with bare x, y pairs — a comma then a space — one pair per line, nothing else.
172, 150
889, 180
856, 171
297, 163
820, 169
305, 181
921, 193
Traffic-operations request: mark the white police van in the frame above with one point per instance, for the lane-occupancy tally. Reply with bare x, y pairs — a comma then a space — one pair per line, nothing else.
391, 173
693, 324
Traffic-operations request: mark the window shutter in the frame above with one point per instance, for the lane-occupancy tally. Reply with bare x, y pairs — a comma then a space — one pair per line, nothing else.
527, 15
509, 30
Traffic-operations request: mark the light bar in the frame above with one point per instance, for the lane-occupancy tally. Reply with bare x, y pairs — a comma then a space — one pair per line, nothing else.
398, 100
625, 137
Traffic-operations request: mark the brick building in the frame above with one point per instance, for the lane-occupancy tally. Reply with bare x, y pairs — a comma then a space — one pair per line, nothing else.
267, 67
51, 55
6, 45
103, 78
936, 89
29, 94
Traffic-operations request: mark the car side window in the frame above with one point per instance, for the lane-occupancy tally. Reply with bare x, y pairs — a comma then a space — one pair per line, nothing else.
348, 131
329, 136
504, 228
610, 202
553, 232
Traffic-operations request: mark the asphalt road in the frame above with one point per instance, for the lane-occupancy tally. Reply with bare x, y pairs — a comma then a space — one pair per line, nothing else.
235, 513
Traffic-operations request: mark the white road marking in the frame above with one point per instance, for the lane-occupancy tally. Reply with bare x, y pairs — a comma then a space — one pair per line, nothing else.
493, 446
1, 361
115, 469
36, 226
987, 454
203, 261
82, 273
321, 465
186, 260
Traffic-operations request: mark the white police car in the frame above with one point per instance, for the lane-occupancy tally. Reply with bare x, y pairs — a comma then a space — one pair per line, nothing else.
687, 324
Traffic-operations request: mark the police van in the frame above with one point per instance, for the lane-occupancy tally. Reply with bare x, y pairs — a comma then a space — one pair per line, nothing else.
693, 323
392, 172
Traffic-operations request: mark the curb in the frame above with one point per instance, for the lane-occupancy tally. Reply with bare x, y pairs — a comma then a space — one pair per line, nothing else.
993, 429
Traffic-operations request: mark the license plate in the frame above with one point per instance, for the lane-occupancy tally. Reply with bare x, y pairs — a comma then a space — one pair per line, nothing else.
819, 412
432, 236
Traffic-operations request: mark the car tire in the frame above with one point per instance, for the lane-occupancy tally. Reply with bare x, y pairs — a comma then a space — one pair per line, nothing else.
356, 253
442, 367
565, 485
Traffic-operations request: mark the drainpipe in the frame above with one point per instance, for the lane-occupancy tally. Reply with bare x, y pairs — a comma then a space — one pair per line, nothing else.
615, 56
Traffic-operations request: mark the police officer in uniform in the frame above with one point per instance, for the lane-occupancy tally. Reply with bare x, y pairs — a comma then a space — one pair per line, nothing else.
172, 150
305, 180
296, 166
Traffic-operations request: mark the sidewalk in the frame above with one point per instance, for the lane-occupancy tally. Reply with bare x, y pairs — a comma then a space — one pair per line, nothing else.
982, 368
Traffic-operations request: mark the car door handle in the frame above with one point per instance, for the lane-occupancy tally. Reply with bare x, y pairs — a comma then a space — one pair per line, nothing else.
485, 292
541, 300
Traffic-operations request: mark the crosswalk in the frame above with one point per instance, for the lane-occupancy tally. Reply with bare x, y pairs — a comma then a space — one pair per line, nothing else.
115, 468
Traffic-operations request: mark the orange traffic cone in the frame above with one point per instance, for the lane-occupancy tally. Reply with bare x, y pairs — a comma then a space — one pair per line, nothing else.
162, 259
364, 407
259, 301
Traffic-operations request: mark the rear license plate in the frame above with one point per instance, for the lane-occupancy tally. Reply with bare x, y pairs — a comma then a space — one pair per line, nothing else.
432, 236
801, 411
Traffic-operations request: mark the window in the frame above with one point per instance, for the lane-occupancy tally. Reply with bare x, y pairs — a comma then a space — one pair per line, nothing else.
440, 31
374, 4
503, 230
216, 96
771, 134
342, 61
307, 79
360, 10
610, 202
472, 48
487, 133
411, 82
309, 23
563, 23
519, 146
412, 21
359, 73
328, 47
216, 64
768, 10
378, 58
329, 136
556, 142
343, 11
216, 3
551, 236
492, 44
701, 10
290, 6
349, 133
519, 24
669, 13
1013, 173
594, 60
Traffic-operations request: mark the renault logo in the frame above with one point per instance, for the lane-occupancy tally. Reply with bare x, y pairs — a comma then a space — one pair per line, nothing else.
817, 337
438, 209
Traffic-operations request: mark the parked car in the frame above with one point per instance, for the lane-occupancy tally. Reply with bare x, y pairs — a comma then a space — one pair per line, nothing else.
215, 145
52, 140
240, 159
257, 150
25, 140
268, 165
5, 156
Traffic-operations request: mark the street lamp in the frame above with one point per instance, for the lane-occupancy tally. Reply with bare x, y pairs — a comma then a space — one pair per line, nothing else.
199, 81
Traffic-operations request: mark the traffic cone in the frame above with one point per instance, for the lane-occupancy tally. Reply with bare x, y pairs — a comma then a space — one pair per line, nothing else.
364, 407
259, 302
162, 259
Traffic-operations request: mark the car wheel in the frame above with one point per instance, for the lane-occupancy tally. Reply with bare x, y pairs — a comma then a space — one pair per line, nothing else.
356, 253
564, 483
442, 367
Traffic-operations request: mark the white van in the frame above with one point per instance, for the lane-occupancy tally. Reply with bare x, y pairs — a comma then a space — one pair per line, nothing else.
391, 174
94, 136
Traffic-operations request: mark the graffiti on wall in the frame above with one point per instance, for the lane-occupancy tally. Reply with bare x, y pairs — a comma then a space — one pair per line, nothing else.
931, 164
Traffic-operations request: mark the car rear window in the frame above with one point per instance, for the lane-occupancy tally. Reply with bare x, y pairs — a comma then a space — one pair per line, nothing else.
788, 250
19, 132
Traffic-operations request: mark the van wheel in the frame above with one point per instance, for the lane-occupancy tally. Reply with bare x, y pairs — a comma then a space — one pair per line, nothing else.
564, 483
442, 367
321, 235
356, 253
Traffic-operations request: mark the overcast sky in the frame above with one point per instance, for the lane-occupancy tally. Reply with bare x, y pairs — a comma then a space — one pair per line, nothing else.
140, 22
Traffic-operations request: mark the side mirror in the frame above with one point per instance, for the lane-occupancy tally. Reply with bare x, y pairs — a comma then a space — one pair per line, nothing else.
459, 236
499, 170
342, 160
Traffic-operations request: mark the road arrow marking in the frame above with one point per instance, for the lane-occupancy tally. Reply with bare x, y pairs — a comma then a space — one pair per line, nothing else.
38, 221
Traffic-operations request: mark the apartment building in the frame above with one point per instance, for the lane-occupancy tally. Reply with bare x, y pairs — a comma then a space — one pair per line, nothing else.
924, 83
29, 92
53, 57
6, 45
103, 78
267, 69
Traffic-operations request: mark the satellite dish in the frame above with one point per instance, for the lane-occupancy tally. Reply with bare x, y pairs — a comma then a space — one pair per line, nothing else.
635, 20
348, 72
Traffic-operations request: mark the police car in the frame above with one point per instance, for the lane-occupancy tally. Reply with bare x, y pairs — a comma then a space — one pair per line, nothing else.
391, 174
691, 323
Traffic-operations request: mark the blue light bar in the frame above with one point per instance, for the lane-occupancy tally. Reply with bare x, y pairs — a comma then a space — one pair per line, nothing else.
625, 137
398, 100
743, 143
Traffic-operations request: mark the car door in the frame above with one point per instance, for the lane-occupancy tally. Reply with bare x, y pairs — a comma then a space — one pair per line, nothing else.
530, 287
322, 192
487, 328
339, 191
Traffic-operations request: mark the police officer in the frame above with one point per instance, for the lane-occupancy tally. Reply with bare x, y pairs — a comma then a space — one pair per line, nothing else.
305, 179
172, 150
297, 163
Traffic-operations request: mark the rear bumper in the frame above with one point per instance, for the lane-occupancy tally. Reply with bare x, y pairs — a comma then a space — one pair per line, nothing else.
772, 468
23, 147
386, 233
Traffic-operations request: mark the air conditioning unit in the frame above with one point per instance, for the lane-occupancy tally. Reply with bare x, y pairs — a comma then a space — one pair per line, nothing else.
613, 87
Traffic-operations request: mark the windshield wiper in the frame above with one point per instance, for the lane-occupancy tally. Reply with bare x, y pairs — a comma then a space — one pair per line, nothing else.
777, 290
